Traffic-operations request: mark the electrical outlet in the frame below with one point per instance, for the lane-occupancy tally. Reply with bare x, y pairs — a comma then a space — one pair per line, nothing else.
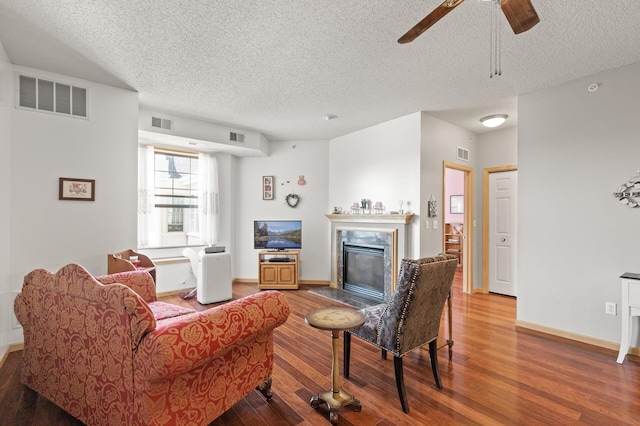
610, 308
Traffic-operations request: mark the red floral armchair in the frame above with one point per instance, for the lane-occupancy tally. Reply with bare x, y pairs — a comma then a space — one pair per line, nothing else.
106, 351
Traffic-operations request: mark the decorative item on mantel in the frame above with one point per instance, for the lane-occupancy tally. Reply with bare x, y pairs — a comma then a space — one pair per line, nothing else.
378, 208
629, 192
365, 206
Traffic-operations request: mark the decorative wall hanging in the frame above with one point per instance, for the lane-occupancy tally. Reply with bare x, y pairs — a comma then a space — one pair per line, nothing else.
77, 189
433, 207
292, 200
267, 187
629, 192
301, 180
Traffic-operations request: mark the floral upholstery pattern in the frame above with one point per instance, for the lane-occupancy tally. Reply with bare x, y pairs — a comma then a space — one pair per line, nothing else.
94, 347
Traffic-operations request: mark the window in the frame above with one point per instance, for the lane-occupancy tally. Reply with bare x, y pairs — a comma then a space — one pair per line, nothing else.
175, 191
176, 194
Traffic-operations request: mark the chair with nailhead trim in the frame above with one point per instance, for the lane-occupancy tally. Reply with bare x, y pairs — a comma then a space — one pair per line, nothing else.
411, 319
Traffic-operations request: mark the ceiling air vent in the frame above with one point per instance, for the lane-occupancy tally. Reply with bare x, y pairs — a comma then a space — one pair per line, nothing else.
463, 154
49, 96
161, 123
236, 137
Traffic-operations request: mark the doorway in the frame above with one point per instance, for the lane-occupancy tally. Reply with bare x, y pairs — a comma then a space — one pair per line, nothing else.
499, 229
457, 229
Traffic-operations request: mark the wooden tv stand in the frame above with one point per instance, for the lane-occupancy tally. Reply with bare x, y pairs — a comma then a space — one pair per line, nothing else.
278, 275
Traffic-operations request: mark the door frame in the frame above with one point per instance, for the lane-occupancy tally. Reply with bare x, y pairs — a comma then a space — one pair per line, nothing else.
486, 220
467, 241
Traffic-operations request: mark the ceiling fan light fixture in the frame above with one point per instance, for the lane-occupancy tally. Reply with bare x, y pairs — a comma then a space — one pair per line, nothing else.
494, 120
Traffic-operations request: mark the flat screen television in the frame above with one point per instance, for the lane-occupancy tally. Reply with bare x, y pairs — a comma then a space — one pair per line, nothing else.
277, 234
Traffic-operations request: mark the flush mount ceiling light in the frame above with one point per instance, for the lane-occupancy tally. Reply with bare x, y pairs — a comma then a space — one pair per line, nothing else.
493, 120
329, 117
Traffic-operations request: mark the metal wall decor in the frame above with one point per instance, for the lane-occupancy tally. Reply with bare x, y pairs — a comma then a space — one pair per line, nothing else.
629, 192
433, 207
292, 200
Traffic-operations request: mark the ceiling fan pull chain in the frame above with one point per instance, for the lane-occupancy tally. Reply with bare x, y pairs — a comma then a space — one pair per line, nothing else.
491, 42
498, 38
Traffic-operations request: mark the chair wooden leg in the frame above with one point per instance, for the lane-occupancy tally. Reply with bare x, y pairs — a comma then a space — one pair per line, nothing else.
433, 354
402, 394
346, 339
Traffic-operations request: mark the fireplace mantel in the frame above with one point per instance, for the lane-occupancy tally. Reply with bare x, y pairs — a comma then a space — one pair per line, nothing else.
371, 218
389, 230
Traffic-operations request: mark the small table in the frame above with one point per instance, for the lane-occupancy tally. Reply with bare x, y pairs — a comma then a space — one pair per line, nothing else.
630, 307
335, 320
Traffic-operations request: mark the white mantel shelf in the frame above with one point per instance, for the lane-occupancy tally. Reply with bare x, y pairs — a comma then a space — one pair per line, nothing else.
371, 218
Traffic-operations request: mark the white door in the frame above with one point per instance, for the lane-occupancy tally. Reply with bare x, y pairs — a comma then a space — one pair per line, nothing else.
502, 232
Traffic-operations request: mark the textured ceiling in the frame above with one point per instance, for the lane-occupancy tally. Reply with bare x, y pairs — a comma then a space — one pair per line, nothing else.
277, 67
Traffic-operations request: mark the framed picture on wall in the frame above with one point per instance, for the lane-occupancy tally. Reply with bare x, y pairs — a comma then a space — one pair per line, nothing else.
457, 204
267, 187
77, 189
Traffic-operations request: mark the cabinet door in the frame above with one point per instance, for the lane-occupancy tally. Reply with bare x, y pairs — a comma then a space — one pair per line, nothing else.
286, 274
269, 274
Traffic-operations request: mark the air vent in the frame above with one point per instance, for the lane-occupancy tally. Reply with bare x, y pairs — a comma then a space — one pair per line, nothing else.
50, 96
236, 137
463, 154
161, 123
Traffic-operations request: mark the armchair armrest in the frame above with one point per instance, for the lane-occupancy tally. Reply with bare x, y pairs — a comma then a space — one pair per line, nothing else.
190, 341
139, 281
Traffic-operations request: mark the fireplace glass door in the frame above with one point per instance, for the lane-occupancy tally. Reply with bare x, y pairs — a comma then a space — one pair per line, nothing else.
364, 270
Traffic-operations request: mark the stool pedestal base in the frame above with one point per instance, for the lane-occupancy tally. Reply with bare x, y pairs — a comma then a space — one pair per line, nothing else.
335, 401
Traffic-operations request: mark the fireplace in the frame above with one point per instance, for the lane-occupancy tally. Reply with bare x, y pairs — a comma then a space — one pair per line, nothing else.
364, 270
366, 262
374, 242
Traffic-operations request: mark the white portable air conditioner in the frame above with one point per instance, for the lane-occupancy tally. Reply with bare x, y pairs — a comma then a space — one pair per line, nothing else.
213, 275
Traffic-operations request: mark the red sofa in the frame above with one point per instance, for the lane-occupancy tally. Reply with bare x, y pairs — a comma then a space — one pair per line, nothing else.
106, 351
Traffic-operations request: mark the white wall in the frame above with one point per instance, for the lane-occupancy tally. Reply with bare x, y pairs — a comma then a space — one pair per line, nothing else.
286, 162
575, 148
6, 296
440, 140
380, 163
49, 233
494, 149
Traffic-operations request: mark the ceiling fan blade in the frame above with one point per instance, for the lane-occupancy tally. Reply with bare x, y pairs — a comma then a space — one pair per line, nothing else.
520, 14
429, 20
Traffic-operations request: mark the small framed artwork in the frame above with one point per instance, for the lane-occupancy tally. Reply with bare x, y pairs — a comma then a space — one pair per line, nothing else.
267, 187
457, 204
77, 189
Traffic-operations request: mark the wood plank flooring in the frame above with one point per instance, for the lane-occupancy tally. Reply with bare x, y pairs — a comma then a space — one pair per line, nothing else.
498, 376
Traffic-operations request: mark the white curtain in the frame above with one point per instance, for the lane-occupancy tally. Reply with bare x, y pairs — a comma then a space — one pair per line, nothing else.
147, 214
208, 199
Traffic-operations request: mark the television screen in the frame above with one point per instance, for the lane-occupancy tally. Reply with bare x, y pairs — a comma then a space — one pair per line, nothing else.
277, 234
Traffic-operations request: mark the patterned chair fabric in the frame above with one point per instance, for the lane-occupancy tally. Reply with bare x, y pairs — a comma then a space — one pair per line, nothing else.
411, 319
106, 351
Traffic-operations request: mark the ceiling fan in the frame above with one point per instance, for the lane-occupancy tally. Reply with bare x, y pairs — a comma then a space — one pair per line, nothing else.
520, 14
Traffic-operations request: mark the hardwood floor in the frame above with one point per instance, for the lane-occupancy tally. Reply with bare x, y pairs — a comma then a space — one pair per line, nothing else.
498, 375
